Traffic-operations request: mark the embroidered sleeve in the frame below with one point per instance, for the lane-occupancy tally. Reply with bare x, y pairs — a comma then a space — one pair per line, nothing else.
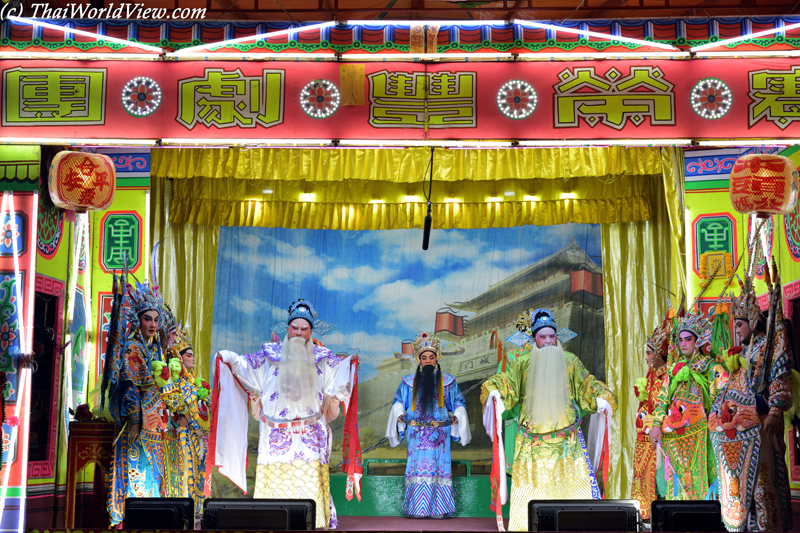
662, 402
138, 371
509, 384
131, 403
586, 388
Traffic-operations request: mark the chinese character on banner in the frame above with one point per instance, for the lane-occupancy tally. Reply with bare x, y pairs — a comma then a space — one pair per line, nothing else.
228, 98
57, 96
775, 96
613, 99
419, 99
120, 234
714, 243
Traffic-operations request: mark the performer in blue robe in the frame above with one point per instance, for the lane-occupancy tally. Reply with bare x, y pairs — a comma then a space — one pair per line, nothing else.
429, 411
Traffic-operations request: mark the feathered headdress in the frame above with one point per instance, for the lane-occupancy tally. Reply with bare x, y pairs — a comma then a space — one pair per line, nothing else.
140, 299
658, 340
168, 322
699, 326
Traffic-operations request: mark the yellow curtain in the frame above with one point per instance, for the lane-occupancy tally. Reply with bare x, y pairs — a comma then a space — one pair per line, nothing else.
638, 256
403, 165
384, 189
187, 266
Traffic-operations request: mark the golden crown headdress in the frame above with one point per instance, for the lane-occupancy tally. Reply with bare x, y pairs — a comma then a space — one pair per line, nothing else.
427, 342
183, 340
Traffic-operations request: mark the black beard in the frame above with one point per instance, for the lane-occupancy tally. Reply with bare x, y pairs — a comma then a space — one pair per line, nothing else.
427, 381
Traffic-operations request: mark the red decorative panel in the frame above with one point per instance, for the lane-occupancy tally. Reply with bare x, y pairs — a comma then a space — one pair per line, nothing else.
119, 32
469, 36
697, 32
726, 31
530, 35
182, 35
52, 36
403, 36
53, 287
313, 36
82, 38
502, 35
370, 36
244, 32
153, 35
634, 32
20, 33
341, 36
790, 292
212, 35
665, 32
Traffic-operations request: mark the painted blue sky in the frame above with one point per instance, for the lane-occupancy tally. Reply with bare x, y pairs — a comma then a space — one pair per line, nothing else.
376, 287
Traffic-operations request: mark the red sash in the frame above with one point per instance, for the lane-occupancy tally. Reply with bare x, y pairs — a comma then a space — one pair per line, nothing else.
351, 448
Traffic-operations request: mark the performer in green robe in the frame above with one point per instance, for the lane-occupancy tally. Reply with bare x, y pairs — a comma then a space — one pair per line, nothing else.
554, 390
681, 412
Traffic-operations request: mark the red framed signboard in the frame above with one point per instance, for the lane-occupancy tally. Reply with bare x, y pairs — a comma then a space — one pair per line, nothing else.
627, 99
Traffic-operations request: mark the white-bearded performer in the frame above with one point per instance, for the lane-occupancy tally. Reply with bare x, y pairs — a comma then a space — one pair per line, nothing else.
290, 380
555, 390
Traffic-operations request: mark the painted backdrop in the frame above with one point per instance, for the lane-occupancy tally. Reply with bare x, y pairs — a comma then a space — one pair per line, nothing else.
378, 289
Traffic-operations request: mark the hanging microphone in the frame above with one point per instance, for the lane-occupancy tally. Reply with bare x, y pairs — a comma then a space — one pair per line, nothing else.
426, 233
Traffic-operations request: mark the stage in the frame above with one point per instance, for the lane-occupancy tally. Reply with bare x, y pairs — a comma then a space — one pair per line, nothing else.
394, 523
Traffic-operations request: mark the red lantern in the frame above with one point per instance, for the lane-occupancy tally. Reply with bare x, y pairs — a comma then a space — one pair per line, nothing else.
765, 184
82, 181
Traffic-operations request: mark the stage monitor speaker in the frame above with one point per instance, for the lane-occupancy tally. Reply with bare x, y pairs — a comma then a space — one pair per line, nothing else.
686, 515
238, 514
583, 515
159, 513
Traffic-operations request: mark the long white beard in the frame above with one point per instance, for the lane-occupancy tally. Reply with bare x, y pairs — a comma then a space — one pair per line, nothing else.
297, 372
547, 394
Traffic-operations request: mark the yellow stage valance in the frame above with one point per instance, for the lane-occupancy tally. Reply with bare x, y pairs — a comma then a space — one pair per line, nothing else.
403, 165
357, 189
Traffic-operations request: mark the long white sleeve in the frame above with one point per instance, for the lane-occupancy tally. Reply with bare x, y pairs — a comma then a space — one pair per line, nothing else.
461, 428
231, 429
393, 427
489, 422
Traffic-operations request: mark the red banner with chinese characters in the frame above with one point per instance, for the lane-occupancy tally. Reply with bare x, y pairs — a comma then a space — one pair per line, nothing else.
680, 99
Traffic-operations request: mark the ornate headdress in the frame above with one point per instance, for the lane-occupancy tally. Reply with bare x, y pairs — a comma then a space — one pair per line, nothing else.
183, 341
745, 306
542, 318
699, 326
426, 342
168, 322
302, 309
658, 340
140, 299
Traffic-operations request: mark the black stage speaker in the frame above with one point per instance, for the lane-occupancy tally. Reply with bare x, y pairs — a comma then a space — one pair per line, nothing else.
686, 515
159, 513
583, 515
237, 514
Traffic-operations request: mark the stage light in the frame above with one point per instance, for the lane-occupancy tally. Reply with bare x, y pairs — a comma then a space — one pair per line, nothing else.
307, 197
267, 191
427, 22
452, 201
568, 196
97, 36
603, 55
187, 52
244, 142
744, 37
588, 33
89, 142
466, 56
530, 198
494, 199
80, 56
750, 53
377, 201
751, 142
509, 193
235, 56
411, 198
